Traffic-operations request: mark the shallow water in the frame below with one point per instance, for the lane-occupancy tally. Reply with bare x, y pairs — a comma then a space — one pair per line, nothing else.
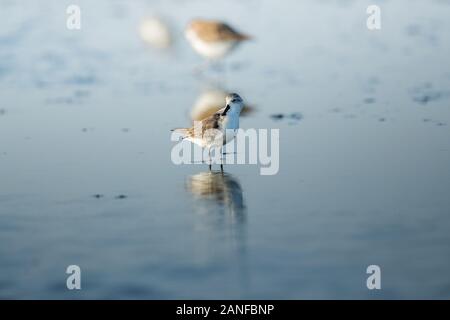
87, 179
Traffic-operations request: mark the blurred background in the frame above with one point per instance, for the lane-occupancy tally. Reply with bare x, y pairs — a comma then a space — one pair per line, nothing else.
86, 176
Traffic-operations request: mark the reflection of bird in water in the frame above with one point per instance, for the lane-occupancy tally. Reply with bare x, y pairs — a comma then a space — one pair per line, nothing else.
219, 189
221, 218
213, 39
210, 101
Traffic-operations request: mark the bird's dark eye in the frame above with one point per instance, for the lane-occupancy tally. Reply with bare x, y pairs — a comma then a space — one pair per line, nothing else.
234, 100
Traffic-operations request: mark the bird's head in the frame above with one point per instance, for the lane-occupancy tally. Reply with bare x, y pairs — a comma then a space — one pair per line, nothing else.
235, 102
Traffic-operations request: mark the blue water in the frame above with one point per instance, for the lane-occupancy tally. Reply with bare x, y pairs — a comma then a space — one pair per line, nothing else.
86, 176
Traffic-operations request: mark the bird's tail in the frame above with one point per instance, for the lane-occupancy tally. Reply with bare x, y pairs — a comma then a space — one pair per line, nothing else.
182, 131
243, 37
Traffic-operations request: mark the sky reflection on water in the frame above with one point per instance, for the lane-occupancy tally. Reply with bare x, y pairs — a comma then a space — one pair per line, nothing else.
364, 126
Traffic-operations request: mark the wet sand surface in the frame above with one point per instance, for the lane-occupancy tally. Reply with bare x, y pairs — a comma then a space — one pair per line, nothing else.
86, 176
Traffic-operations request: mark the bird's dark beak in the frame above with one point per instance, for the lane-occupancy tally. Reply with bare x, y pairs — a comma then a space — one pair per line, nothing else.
226, 110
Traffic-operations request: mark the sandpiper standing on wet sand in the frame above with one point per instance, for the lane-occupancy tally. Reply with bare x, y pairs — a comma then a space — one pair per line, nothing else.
213, 39
217, 129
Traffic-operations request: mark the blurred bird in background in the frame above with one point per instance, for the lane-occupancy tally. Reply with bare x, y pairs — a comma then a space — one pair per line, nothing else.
210, 101
156, 32
213, 39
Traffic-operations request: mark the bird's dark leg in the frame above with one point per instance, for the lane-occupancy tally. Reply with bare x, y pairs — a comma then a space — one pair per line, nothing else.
210, 160
221, 158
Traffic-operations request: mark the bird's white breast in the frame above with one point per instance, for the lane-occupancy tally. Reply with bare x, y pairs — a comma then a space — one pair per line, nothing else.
211, 50
230, 126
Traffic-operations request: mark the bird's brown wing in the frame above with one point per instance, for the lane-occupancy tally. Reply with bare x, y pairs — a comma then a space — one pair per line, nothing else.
212, 122
216, 31
201, 127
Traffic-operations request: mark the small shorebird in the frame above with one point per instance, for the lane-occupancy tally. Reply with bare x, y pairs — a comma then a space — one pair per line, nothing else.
213, 39
217, 129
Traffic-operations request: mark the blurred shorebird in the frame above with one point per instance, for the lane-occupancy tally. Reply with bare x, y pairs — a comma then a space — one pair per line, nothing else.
217, 129
213, 39
156, 32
